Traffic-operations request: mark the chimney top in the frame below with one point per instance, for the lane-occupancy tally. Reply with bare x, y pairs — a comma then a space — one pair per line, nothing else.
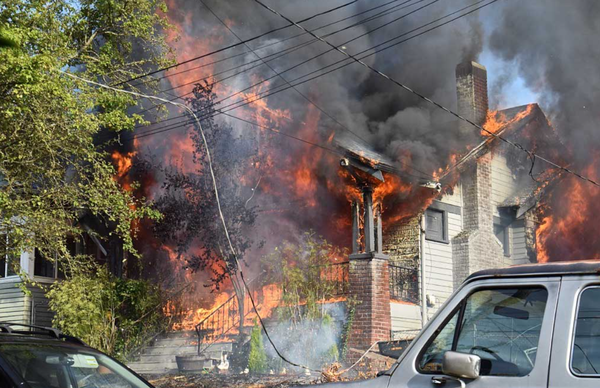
471, 92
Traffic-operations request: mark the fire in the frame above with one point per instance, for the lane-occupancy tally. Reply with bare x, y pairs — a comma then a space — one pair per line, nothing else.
123, 163
188, 319
566, 231
496, 121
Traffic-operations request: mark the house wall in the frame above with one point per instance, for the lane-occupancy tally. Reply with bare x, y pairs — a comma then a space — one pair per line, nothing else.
438, 264
16, 306
405, 317
519, 247
13, 303
504, 182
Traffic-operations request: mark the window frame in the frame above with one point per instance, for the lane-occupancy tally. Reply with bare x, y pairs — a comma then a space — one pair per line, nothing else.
506, 243
6, 263
444, 214
573, 334
461, 311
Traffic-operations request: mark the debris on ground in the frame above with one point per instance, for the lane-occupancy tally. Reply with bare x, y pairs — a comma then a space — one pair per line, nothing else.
215, 380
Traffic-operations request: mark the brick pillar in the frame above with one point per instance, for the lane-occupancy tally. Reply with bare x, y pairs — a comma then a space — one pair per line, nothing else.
370, 287
471, 93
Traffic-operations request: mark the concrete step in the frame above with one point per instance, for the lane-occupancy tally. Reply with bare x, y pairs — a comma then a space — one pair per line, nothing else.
179, 334
214, 354
183, 349
168, 342
153, 368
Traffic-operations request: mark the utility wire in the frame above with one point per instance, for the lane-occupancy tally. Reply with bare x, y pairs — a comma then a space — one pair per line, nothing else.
274, 56
311, 58
331, 150
218, 202
284, 80
275, 43
400, 172
302, 79
233, 45
427, 99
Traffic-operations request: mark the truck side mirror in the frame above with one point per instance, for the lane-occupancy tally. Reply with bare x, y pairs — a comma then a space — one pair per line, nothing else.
461, 365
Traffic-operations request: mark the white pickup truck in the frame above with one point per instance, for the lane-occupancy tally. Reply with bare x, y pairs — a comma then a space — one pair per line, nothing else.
524, 326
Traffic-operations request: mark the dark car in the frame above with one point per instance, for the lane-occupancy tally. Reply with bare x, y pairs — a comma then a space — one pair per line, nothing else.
41, 357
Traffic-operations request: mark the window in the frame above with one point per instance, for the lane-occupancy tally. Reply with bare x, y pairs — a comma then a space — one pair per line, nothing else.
585, 356
502, 234
436, 225
8, 262
502, 326
43, 266
55, 366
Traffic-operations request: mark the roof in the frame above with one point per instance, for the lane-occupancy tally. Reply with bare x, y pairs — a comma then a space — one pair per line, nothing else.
6, 338
565, 268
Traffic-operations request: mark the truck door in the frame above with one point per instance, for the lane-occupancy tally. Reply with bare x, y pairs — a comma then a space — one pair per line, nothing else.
576, 343
507, 322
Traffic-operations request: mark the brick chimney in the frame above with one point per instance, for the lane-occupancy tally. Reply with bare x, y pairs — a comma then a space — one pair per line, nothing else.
475, 248
471, 93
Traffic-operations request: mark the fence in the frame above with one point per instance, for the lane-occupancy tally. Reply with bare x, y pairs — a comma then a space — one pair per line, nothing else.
404, 283
337, 274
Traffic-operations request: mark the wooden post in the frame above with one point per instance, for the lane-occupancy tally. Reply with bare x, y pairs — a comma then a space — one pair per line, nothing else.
379, 230
355, 227
368, 221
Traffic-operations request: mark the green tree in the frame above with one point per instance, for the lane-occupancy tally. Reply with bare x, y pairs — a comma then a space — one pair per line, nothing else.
257, 360
53, 161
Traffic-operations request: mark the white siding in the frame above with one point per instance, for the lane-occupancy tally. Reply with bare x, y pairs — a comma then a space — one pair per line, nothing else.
405, 316
454, 198
12, 302
519, 249
16, 307
503, 181
438, 264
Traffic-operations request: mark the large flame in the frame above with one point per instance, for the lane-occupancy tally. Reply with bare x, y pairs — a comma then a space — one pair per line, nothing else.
566, 231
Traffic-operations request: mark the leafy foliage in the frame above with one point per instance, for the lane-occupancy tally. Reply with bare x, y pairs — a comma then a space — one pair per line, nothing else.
301, 271
257, 361
114, 315
189, 204
308, 279
53, 167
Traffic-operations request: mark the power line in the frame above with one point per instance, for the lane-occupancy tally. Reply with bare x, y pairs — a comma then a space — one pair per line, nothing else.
273, 90
233, 45
331, 150
306, 60
427, 99
278, 42
290, 49
281, 76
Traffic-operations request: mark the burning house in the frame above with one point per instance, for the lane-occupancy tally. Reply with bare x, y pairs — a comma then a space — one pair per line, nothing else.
486, 216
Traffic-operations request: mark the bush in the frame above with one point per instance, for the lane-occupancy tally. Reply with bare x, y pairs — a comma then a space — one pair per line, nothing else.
257, 361
116, 316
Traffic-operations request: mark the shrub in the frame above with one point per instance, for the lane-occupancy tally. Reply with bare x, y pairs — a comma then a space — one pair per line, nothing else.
257, 361
114, 315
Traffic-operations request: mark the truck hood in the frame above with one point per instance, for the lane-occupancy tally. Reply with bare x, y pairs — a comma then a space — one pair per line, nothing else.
379, 382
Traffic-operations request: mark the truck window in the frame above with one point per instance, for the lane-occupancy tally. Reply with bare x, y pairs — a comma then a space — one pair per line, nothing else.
502, 326
585, 356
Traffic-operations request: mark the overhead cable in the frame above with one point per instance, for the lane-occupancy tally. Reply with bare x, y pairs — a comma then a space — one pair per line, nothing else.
233, 45
429, 100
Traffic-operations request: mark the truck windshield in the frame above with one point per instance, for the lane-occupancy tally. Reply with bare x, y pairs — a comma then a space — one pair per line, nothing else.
502, 326
55, 366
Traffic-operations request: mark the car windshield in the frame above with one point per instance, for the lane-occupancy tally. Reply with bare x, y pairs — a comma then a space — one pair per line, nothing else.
55, 366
